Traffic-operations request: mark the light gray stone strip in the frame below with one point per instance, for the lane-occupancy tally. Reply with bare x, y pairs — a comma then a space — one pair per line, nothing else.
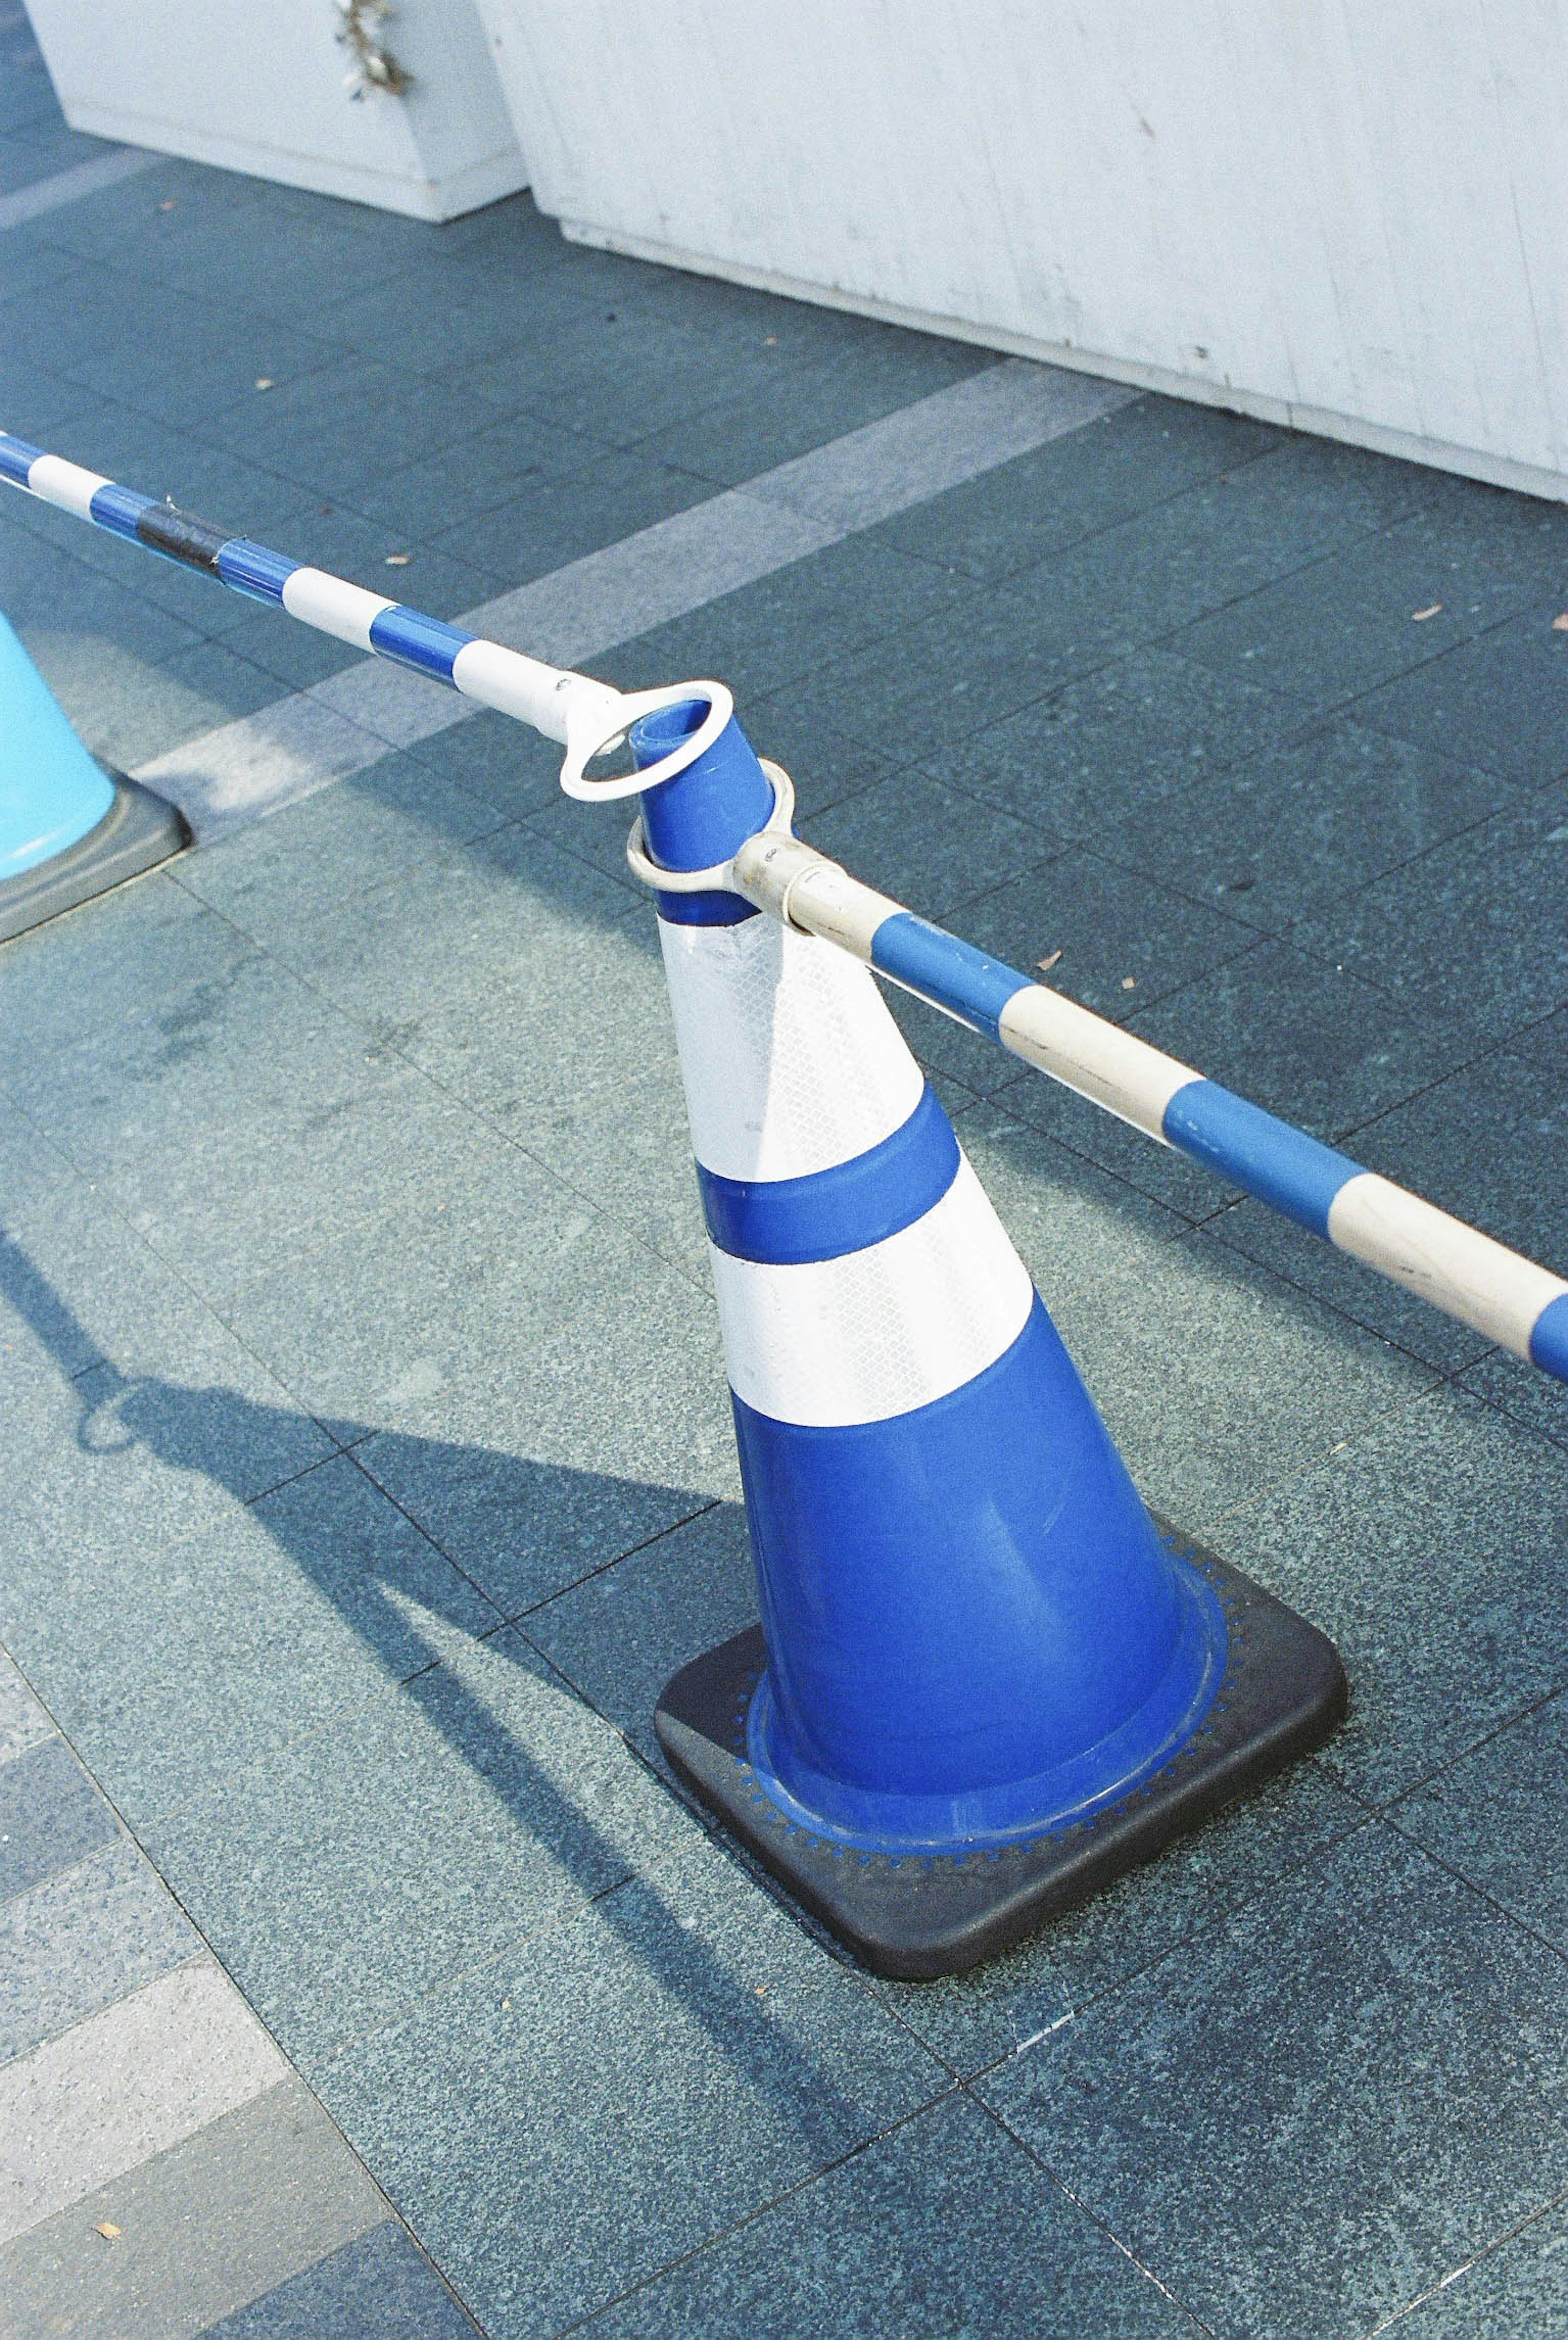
23, 1723
940, 441
124, 2085
219, 2220
69, 187
82, 1940
243, 770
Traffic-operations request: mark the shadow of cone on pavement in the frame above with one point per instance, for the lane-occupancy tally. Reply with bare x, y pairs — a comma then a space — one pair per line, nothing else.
987, 1680
68, 829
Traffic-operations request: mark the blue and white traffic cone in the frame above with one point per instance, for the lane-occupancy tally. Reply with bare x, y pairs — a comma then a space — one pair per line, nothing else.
68, 829
985, 1680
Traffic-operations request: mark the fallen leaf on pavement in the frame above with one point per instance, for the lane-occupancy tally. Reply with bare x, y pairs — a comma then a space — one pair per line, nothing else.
109, 2230
1560, 623
1045, 965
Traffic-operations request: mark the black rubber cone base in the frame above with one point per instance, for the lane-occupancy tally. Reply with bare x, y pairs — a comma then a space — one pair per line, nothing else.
137, 832
918, 1917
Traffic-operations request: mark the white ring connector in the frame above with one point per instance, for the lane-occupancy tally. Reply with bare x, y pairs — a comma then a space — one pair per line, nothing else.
602, 723
720, 879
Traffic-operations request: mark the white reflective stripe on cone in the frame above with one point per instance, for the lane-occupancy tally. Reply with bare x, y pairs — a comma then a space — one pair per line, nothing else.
877, 1332
1454, 1266
790, 1059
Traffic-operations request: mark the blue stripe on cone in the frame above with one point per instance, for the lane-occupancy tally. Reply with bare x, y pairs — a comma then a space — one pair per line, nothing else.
826, 1213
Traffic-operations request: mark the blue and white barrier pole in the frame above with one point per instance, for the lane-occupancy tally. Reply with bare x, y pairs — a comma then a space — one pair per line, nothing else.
1457, 1269
586, 717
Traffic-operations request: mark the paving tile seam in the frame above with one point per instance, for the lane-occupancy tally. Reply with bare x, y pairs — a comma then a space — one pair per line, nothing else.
1205, 1929
1500, 1730
1321, 902
601, 1569
1439, 1379
1085, 2210
202, 1955
590, 1199
760, 2210
1342, 1309
1477, 2258
1499, 1910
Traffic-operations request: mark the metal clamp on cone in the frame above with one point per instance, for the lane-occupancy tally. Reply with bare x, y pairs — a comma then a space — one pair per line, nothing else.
986, 1679
68, 829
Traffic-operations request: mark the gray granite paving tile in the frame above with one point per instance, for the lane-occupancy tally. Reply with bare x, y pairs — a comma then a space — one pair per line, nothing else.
139, 953
39, 403
1279, 833
230, 354
1127, 462
1495, 1817
490, 468
1433, 1550
377, 2287
1497, 701
1143, 730
345, 1877
127, 709
51, 1815
790, 625
630, 1150
494, 759
184, 1634
1349, 621
1521, 2285
39, 149
206, 2226
930, 687
922, 842
1160, 568
248, 1126
619, 1636
553, 521
23, 1723
1303, 1036
619, 376
927, 691
1242, 1857
95, 1330
82, 1939
1215, 1377
1300, 2121
1473, 933
809, 396
485, 319
516, 980
68, 614
689, 2029
1348, 486
945, 2226
398, 819
259, 1191
555, 1392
